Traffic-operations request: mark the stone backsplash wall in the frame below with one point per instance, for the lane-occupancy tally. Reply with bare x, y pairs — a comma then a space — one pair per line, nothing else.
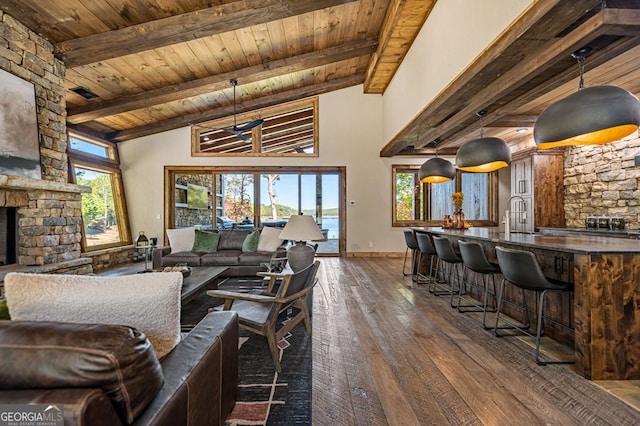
603, 180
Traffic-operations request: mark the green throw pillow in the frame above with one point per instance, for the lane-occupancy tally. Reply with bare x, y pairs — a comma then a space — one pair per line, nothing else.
205, 242
4, 310
250, 242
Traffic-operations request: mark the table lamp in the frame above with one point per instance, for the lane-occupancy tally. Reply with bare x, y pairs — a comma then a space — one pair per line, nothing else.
301, 228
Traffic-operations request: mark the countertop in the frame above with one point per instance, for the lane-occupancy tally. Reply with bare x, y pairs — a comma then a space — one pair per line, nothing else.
568, 242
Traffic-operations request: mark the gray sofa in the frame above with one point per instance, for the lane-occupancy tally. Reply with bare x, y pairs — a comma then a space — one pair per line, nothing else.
229, 253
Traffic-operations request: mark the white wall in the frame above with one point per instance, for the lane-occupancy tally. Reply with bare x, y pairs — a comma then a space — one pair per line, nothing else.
350, 135
455, 33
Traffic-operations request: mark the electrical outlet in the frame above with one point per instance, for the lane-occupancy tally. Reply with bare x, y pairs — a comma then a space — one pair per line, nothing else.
370, 243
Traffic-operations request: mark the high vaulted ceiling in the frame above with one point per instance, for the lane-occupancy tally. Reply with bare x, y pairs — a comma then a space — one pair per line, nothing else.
528, 67
157, 65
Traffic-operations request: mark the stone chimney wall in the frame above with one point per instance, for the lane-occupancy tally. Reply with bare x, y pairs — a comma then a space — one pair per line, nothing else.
49, 210
30, 57
602, 180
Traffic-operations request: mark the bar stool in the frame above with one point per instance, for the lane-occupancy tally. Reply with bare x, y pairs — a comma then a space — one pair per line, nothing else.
522, 269
426, 248
448, 256
474, 260
412, 245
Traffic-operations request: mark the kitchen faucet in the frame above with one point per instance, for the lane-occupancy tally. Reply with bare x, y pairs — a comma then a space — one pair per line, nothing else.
507, 213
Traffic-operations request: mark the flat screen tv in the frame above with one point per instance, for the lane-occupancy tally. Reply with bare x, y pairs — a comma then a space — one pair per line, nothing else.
197, 197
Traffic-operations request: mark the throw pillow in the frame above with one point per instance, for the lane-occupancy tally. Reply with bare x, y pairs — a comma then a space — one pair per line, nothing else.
250, 242
4, 311
269, 239
149, 302
181, 239
205, 242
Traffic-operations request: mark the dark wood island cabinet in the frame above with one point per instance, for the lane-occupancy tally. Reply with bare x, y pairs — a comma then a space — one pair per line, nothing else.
602, 317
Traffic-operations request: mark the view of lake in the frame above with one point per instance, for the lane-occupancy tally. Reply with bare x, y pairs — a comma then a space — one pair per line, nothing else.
332, 224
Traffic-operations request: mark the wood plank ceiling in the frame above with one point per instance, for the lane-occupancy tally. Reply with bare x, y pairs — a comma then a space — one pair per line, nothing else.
162, 64
157, 65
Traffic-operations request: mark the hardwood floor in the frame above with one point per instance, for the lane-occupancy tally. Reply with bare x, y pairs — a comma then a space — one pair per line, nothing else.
386, 352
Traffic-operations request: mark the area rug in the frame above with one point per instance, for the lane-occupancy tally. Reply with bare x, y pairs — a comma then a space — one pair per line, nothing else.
266, 397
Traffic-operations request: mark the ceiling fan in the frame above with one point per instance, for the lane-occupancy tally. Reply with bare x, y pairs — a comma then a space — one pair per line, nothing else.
237, 130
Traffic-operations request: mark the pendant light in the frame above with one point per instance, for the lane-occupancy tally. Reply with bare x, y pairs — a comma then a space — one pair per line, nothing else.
591, 116
436, 170
483, 155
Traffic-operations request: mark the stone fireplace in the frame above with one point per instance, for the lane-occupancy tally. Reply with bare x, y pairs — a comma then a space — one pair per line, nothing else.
47, 210
49, 225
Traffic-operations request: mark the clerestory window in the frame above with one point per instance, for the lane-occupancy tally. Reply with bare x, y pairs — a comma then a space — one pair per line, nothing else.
286, 130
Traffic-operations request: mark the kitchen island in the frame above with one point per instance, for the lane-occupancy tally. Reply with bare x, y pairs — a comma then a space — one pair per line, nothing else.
602, 317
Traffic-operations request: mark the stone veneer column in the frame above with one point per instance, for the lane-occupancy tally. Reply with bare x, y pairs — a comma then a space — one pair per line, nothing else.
30, 57
602, 180
49, 210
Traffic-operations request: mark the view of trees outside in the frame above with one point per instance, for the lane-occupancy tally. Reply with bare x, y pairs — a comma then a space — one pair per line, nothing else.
278, 196
238, 196
98, 208
405, 184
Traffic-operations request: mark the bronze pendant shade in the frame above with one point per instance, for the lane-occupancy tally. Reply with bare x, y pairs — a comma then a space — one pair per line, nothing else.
483, 155
593, 115
436, 170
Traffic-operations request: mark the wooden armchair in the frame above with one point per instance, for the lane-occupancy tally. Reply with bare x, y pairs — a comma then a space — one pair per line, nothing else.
259, 312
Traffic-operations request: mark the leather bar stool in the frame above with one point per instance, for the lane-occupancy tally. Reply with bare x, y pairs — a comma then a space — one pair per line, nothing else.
412, 244
474, 260
521, 268
426, 248
448, 259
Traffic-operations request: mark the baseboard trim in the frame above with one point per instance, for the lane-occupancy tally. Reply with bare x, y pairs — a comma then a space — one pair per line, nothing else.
375, 254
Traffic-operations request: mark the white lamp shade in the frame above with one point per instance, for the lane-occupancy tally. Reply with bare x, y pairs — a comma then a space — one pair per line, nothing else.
301, 228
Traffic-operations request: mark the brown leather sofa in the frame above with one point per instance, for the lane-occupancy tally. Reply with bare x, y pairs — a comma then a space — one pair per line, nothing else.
109, 374
229, 253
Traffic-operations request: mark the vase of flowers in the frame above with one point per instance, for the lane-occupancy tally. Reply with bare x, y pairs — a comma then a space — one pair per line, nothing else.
458, 198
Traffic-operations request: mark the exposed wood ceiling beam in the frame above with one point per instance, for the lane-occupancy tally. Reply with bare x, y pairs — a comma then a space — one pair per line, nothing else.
182, 28
534, 28
255, 104
513, 121
536, 63
395, 41
495, 117
252, 74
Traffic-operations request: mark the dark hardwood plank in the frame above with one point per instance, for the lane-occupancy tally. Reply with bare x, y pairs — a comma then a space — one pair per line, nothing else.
389, 352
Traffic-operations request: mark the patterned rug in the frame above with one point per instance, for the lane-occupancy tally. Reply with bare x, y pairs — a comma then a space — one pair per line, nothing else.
266, 397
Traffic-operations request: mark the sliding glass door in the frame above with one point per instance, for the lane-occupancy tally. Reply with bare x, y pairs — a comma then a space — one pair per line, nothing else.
313, 194
225, 198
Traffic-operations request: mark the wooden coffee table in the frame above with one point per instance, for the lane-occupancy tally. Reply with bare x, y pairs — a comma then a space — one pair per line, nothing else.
201, 278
